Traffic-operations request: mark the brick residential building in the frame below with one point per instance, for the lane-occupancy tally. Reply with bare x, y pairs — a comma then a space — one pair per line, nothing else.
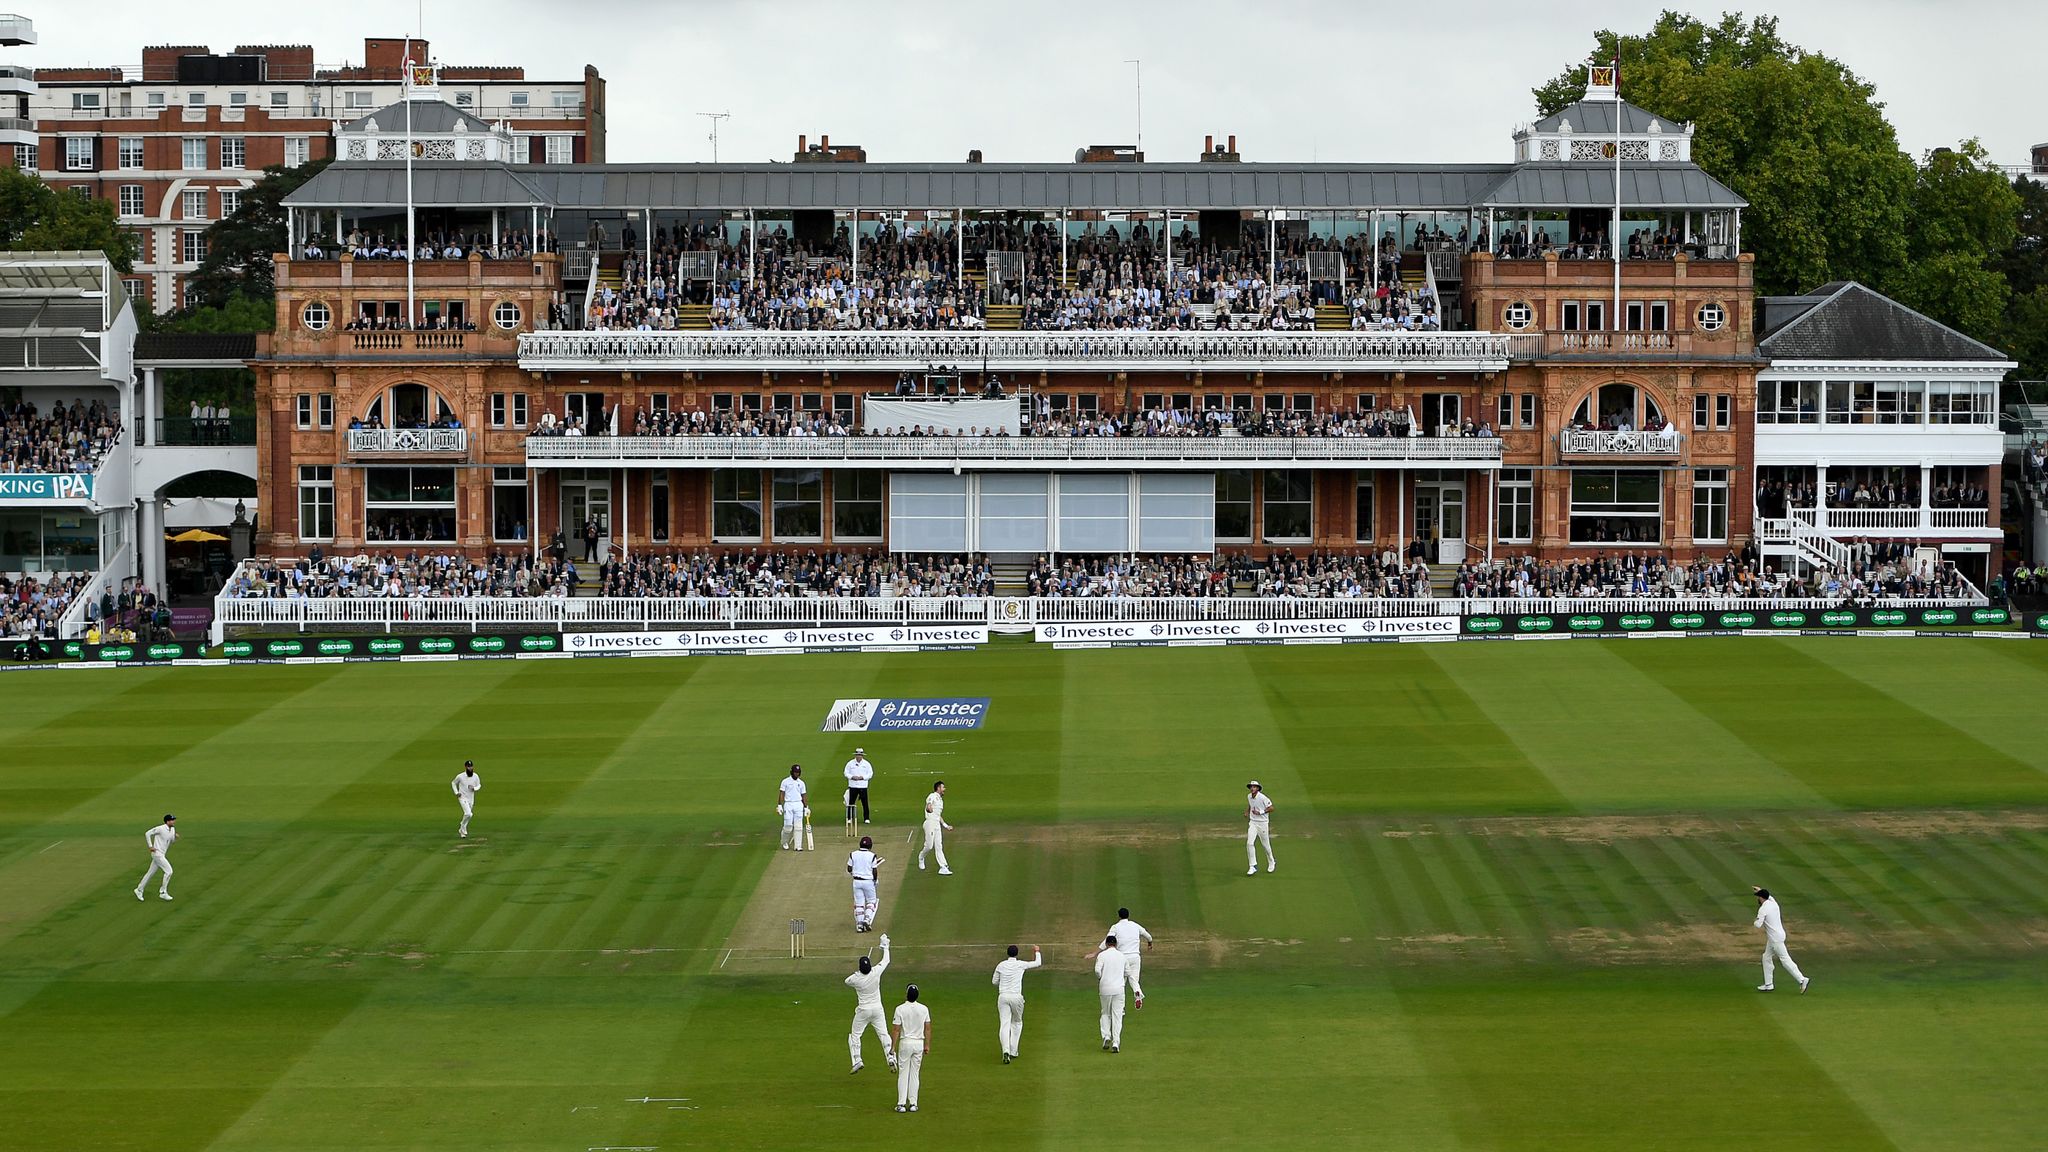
173, 143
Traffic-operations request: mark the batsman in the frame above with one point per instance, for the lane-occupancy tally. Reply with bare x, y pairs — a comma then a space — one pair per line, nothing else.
865, 867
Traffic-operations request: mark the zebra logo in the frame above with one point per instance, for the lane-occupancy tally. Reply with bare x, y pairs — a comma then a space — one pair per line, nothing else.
849, 715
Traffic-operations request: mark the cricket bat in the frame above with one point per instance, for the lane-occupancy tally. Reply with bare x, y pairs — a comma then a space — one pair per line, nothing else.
810, 840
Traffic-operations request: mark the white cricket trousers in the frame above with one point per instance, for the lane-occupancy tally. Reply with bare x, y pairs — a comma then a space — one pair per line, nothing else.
934, 843
793, 826
1775, 949
468, 809
1010, 1021
1113, 1017
1259, 832
1132, 964
157, 863
865, 1017
865, 902
907, 1066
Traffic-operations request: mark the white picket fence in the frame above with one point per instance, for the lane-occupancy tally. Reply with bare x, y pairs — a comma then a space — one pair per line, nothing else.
386, 614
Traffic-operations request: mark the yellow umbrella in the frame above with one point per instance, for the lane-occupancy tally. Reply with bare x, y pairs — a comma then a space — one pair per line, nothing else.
197, 536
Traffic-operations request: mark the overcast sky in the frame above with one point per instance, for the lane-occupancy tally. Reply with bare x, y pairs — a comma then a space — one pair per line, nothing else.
1340, 80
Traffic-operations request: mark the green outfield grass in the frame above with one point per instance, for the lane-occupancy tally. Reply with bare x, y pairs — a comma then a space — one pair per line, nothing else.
1512, 909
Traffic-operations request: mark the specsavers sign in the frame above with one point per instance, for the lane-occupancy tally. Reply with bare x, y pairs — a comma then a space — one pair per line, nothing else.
40, 486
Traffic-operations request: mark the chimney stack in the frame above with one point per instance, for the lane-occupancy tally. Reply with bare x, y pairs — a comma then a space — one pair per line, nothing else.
803, 141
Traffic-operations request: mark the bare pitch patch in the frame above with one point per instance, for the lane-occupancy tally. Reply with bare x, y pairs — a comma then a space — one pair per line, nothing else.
813, 887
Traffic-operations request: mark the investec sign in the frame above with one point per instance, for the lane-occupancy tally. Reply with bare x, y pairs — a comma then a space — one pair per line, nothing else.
1169, 632
41, 486
772, 639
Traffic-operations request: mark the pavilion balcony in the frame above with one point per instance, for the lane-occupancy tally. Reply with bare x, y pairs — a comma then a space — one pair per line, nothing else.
1017, 351
398, 442
1011, 453
1594, 442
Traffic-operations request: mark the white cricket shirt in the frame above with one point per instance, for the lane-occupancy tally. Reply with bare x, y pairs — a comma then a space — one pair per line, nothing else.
861, 864
1109, 971
1009, 977
1128, 933
466, 785
859, 771
912, 1017
160, 838
792, 790
1767, 919
935, 809
1259, 804
867, 987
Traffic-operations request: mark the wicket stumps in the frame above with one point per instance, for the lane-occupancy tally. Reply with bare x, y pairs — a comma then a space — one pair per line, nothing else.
796, 939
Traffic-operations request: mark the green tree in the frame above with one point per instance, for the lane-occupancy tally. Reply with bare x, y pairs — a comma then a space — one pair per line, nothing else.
239, 249
35, 217
1795, 133
1963, 217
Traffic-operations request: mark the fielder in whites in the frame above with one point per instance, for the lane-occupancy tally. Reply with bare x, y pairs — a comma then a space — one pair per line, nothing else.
790, 805
867, 1005
913, 1024
159, 839
1109, 987
865, 868
1009, 982
935, 828
1258, 811
1773, 924
466, 785
1131, 939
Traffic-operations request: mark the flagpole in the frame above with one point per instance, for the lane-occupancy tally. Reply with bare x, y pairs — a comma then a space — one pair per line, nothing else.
411, 244
1614, 233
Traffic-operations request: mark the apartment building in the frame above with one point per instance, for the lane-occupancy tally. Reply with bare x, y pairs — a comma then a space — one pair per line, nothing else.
175, 143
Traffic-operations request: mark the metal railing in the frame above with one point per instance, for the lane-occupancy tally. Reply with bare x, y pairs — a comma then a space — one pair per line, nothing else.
71, 625
199, 431
386, 614
1049, 449
1458, 351
1591, 442
408, 440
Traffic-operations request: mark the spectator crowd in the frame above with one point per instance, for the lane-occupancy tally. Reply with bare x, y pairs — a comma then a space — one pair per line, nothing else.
69, 439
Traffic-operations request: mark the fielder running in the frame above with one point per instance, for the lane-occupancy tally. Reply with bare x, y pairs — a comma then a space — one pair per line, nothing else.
1768, 919
864, 866
935, 828
913, 1023
1129, 934
867, 1010
466, 785
1258, 807
1009, 982
159, 839
789, 802
1109, 986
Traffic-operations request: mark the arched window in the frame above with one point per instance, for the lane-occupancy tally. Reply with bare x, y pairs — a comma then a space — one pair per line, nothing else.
409, 405
1618, 405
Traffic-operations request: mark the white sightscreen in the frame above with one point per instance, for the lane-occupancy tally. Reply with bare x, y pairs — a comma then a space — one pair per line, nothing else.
927, 512
1177, 512
1013, 508
1095, 512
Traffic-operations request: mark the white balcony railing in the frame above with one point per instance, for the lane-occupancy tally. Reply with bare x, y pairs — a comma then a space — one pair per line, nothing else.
890, 451
1591, 442
1905, 521
1453, 351
407, 440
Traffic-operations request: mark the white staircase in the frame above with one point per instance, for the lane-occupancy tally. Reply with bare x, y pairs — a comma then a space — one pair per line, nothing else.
1797, 534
